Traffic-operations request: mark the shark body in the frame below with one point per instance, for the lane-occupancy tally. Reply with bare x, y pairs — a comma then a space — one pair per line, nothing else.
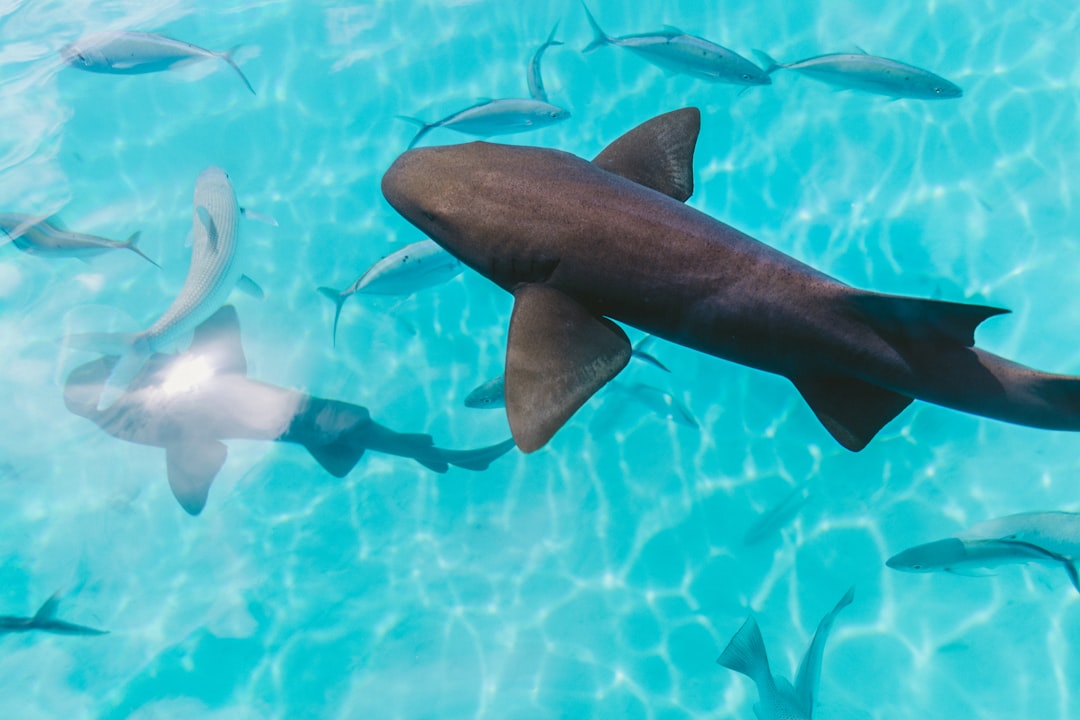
582, 243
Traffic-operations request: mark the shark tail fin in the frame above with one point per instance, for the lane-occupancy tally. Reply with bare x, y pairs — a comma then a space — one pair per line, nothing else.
48, 609
132, 244
768, 63
132, 351
227, 57
745, 654
478, 458
425, 128
338, 298
600, 38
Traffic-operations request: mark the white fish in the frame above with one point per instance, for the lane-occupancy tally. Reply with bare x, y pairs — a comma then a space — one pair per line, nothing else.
870, 73
777, 698
495, 117
662, 403
680, 52
1051, 538
136, 53
214, 272
534, 78
36, 236
413, 268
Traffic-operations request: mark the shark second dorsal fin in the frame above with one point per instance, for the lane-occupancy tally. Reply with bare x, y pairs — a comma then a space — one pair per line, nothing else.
192, 467
219, 337
558, 354
658, 154
904, 317
852, 410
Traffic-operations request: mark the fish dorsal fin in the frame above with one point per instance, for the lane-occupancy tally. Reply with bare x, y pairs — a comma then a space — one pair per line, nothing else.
806, 680
219, 338
209, 225
48, 609
558, 354
852, 410
917, 318
192, 467
658, 154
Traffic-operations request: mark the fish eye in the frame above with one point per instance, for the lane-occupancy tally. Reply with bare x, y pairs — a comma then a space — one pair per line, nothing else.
938, 90
553, 114
916, 566
82, 58
746, 76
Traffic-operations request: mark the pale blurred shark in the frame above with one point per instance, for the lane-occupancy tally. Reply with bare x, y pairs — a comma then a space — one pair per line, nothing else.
778, 699
214, 272
582, 244
189, 403
137, 53
45, 620
1048, 538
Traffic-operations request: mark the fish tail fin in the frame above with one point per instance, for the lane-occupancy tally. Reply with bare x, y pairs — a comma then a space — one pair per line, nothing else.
477, 459
551, 41
1074, 576
132, 351
769, 64
600, 38
745, 654
132, 244
425, 128
227, 57
338, 298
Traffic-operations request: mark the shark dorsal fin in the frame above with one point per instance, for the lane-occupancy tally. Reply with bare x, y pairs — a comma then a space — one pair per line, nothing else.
218, 337
192, 467
806, 681
658, 154
557, 355
936, 320
48, 609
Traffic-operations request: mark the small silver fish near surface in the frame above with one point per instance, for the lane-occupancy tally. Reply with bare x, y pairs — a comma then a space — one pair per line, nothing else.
505, 116
534, 78
677, 51
415, 267
869, 73
137, 53
46, 237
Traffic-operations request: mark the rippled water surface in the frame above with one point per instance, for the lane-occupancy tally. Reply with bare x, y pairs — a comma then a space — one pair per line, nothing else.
601, 576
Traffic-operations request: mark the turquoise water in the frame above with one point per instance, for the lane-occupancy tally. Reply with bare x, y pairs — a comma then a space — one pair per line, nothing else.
601, 576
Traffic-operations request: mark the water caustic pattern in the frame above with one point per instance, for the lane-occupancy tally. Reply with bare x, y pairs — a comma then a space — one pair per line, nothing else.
603, 575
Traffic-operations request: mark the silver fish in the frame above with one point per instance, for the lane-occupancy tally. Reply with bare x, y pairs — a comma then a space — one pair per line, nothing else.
662, 403
413, 268
48, 238
680, 52
495, 117
536, 82
136, 53
214, 272
870, 73
1051, 538
777, 698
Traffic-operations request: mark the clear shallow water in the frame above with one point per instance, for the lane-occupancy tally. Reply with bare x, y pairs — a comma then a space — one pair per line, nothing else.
602, 576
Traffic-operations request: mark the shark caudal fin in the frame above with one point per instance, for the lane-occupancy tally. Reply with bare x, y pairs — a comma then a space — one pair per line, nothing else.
853, 410
338, 298
745, 654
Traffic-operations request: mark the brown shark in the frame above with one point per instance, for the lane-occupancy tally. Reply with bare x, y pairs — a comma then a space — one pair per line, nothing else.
579, 242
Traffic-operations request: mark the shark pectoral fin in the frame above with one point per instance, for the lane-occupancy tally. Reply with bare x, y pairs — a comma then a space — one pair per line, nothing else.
219, 338
852, 410
658, 154
192, 467
924, 319
249, 287
558, 354
208, 224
